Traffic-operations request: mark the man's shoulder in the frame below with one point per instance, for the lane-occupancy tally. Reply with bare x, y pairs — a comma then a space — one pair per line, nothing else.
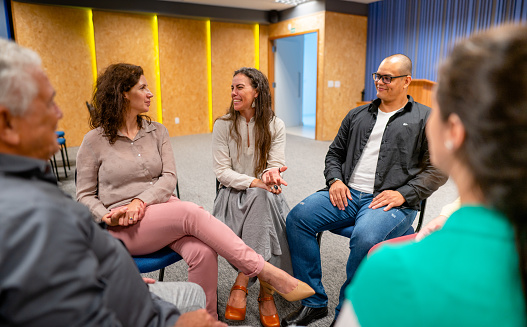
37, 200
419, 107
360, 110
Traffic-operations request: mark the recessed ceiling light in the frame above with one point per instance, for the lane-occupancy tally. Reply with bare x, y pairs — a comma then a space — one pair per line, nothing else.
292, 2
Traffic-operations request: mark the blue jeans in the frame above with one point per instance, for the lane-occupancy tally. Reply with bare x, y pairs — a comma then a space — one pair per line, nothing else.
316, 214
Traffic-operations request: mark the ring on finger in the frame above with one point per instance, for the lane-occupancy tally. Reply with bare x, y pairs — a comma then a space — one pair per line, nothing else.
275, 187
131, 218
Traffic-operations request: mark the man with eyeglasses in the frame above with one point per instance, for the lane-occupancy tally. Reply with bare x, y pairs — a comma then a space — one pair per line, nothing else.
377, 172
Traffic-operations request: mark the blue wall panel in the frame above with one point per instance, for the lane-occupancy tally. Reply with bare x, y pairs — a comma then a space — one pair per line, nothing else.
426, 30
5, 30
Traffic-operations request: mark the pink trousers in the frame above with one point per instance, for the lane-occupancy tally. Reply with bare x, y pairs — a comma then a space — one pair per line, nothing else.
197, 236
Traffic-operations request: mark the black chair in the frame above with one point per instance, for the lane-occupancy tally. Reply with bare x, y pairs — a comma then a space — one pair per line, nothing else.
348, 230
61, 139
90, 108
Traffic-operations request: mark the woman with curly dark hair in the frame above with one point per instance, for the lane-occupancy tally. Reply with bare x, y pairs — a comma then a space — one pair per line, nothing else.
248, 145
127, 176
473, 271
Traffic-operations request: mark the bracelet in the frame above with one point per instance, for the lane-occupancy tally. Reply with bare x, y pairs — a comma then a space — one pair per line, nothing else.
333, 180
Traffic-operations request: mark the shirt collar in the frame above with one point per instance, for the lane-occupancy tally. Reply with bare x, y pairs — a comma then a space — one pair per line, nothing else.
242, 119
26, 167
374, 106
147, 128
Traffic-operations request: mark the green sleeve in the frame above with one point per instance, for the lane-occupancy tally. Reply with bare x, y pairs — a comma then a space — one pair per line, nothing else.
383, 292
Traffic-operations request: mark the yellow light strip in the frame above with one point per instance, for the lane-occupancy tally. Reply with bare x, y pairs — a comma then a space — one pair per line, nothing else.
91, 44
155, 31
257, 46
209, 73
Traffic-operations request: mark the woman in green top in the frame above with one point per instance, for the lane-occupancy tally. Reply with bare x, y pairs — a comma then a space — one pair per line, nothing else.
473, 271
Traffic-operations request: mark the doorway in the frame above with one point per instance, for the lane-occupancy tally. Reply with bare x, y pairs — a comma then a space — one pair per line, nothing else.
295, 76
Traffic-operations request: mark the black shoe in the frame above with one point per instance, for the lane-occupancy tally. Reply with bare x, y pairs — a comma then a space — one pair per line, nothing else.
304, 316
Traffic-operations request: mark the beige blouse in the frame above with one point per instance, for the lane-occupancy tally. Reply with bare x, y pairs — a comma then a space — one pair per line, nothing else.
235, 169
109, 176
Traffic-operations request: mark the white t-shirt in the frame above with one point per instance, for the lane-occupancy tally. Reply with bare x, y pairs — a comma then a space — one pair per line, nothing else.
363, 177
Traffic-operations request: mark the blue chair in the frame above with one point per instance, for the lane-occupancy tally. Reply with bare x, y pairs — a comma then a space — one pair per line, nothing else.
159, 259
347, 230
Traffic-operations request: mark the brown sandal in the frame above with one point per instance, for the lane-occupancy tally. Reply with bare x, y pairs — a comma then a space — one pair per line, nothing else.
232, 313
268, 321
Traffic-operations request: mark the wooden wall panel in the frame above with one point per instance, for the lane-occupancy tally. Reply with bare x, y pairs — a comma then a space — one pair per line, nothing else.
264, 49
421, 90
121, 37
345, 54
183, 62
302, 25
60, 36
232, 47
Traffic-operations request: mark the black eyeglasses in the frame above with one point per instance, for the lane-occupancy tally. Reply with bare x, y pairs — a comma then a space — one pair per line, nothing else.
386, 79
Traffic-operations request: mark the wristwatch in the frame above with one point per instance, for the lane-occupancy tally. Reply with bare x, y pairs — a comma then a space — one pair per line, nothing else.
333, 180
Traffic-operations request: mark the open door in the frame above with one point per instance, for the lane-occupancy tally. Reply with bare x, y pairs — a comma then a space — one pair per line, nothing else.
295, 82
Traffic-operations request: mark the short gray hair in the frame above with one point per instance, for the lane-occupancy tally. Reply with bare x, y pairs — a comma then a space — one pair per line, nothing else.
18, 85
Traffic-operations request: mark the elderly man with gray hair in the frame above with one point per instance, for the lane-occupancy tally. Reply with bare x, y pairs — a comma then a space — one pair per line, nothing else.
57, 267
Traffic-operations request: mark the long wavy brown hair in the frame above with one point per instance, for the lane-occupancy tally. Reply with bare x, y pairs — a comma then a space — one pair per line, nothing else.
262, 118
110, 105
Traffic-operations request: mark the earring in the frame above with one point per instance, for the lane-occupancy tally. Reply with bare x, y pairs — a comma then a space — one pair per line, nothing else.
254, 103
449, 145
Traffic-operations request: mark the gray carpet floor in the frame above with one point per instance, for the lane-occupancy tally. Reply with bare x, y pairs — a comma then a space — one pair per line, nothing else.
305, 161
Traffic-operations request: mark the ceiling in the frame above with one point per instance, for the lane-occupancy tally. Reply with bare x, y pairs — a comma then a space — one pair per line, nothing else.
251, 4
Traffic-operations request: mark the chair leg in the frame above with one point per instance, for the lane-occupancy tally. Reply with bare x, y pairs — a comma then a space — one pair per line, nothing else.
63, 161
161, 274
56, 169
319, 238
53, 168
67, 156
421, 216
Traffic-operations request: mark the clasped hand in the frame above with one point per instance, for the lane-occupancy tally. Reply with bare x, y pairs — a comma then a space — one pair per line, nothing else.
126, 216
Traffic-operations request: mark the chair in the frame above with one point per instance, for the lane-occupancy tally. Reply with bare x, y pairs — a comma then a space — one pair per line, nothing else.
91, 109
65, 159
54, 169
159, 259
346, 231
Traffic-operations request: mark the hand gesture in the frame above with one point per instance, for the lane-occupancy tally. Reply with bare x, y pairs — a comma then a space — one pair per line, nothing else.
272, 176
339, 194
259, 183
434, 225
387, 198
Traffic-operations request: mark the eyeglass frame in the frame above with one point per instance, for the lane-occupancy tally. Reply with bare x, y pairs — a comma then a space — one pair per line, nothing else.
386, 76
